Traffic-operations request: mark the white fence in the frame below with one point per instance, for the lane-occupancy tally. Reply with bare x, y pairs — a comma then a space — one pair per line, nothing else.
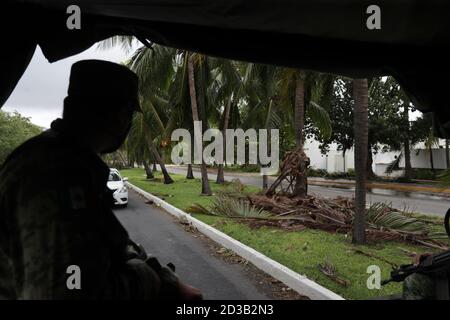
335, 161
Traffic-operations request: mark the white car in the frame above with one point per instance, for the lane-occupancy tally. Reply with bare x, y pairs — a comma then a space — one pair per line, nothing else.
117, 185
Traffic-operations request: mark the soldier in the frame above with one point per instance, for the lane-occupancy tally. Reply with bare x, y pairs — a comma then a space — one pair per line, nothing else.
55, 208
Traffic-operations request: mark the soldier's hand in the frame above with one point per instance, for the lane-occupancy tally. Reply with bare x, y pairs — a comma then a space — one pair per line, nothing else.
189, 293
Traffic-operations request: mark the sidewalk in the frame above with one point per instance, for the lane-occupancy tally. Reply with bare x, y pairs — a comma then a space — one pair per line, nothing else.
348, 184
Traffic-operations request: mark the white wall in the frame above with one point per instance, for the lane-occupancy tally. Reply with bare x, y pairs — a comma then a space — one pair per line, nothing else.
333, 161
318, 160
420, 158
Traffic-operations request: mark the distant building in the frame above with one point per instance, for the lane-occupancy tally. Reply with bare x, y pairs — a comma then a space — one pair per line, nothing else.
335, 161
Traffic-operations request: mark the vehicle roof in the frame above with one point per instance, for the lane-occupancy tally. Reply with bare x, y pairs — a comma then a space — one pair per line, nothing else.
322, 35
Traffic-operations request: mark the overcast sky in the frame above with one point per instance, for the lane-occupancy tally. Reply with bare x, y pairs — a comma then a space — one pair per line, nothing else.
40, 93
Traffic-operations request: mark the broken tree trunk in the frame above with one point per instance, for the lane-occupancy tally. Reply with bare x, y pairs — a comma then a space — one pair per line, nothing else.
292, 180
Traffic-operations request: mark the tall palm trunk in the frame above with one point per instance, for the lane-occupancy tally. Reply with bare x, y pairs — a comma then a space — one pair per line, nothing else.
361, 129
226, 117
343, 161
157, 157
265, 183
265, 178
190, 173
406, 145
301, 182
370, 175
408, 166
430, 149
206, 190
148, 170
123, 160
447, 155
299, 109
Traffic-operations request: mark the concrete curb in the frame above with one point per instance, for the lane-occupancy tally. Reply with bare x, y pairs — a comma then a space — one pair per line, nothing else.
297, 282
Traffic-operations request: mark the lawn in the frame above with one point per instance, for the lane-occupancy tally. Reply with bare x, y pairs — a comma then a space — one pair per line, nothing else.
300, 251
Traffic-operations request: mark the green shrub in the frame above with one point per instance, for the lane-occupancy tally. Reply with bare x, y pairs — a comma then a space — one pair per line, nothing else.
340, 175
426, 174
351, 173
402, 180
317, 172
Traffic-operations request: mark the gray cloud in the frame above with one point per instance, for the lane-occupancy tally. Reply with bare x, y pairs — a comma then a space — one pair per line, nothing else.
40, 92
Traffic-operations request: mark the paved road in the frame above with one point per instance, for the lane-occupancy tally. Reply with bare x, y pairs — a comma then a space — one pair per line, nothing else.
162, 236
425, 204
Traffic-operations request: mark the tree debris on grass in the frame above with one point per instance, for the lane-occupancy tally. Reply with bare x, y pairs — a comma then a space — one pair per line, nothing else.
330, 271
367, 254
332, 215
409, 253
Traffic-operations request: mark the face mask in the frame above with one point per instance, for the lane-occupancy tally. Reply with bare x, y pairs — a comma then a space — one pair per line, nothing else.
118, 140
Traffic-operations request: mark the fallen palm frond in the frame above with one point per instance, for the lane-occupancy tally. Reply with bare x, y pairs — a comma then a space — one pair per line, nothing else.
444, 180
394, 165
381, 215
330, 271
197, 208
332, 215
367, 254
230, 207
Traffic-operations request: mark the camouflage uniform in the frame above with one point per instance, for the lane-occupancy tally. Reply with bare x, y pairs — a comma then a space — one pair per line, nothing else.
55, 211
419, 287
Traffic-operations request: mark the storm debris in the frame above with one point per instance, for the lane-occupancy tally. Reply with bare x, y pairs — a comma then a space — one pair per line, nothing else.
294, 213
330, 271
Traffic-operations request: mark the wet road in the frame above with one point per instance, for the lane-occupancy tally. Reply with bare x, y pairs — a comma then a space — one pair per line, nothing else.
164, 237
416, 202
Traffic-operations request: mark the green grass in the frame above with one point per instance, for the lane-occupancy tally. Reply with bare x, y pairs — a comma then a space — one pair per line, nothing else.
300, 251
181, 194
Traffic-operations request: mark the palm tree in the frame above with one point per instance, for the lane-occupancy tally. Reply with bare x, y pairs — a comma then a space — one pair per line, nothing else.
226, 89
206, 189
260, 87
140, 138
299, 107
148, 170
361, 129
313, 90
190, 100
153, 67
280, 95
406, 143
447, 154
226, 116
431, 142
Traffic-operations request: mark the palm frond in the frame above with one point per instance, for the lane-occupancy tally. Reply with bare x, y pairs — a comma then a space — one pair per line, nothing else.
236, 208
320, 118
383, 216
125, 42
444, 179
394, 165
